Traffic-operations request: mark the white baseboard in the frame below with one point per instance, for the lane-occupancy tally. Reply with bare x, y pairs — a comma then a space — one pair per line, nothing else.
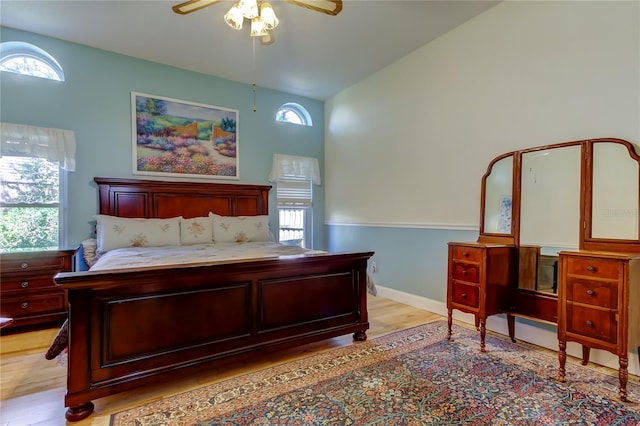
524, 331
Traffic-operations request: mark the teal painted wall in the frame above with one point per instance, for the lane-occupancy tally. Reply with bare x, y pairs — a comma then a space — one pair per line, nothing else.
410, 260
94, 102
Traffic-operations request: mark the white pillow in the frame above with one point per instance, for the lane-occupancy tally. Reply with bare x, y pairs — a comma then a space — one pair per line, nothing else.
116, 232
197, 230
240, 229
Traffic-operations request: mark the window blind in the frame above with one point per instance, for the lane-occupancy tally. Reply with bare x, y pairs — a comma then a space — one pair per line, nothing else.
294, 193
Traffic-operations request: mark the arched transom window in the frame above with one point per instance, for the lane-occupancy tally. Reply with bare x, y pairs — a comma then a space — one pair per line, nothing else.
26, 59
294, 113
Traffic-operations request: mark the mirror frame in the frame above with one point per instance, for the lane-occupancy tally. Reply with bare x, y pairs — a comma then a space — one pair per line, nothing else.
503, 238
530, 303
587, 242
605, 244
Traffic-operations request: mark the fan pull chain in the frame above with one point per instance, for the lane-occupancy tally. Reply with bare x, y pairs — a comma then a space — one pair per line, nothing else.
254, 74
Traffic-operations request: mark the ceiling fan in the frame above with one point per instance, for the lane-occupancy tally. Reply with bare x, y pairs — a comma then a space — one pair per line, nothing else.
260, 13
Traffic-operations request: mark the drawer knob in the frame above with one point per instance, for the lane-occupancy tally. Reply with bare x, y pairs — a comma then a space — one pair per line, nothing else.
24, 284
590, 268
465, 254
464, 272
24, 305
24, 265
463, 295
589, 323
590, 292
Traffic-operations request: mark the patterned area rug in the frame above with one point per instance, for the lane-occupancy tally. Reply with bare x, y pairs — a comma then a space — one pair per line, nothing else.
411, 377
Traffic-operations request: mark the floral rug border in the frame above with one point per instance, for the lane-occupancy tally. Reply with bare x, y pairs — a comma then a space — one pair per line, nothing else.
209, 401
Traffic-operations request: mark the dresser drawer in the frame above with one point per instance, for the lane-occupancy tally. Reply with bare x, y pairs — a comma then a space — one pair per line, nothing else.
16, 307
592, 323
53, 262
465, 294
465, 272
596, 268
24, 283
597, 293
473, 254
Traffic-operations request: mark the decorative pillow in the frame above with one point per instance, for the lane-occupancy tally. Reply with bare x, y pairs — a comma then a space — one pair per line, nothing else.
240, 229
116, 232
198, 230
89, 251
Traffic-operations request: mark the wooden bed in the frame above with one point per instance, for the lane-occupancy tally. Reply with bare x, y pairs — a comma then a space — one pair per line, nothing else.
129, 328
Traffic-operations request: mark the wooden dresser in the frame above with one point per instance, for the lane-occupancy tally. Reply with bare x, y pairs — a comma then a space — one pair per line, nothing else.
559, 243
478, 279
28, 294
599, 306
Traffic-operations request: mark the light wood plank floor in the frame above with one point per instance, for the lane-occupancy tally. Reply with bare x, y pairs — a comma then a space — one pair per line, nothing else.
32, 389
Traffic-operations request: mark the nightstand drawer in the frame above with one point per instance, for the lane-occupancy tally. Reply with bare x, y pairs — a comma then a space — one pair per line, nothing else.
24, 262
465, 253
465, 295
465, 272
597, 293
15, 284
16, 307
592, 323
595, 268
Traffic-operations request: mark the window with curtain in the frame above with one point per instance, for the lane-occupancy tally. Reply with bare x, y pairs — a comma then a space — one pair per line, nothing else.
33, 166
295, 213
294, 177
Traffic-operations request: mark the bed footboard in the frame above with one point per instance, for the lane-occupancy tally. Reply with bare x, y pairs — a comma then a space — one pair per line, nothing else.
133, 328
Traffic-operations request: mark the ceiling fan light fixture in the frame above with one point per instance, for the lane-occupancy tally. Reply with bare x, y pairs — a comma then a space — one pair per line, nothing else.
258, 27
234, 17
268, 16
249, 8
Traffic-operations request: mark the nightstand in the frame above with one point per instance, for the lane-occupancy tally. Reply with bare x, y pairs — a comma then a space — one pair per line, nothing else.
28, 293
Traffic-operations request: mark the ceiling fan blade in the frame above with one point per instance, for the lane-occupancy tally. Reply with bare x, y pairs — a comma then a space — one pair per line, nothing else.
330, 7
192, 6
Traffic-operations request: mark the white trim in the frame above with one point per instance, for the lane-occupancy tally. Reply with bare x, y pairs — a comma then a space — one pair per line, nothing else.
445, 226
498, 323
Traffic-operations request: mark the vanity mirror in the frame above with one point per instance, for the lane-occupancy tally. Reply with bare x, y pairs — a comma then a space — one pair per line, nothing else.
498, 201
567, 196
559, 242
549, 214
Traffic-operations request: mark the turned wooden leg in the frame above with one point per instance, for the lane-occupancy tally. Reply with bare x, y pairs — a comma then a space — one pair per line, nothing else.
623, 375
483, 333
477, 323
360, 336
449, 323
586, 351
562, 358
511, 323
79, 412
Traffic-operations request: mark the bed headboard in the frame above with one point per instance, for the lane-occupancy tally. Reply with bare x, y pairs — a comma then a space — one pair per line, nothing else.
164, 199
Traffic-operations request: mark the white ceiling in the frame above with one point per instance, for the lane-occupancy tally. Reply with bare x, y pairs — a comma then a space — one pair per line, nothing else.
314, 54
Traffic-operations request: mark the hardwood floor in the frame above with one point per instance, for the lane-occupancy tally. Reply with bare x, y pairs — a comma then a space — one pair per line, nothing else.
32, 388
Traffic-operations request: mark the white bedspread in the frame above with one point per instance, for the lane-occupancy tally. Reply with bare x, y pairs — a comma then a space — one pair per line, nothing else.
145, 257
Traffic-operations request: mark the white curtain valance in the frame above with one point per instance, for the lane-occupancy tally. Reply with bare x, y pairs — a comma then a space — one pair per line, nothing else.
291, 167
55, 145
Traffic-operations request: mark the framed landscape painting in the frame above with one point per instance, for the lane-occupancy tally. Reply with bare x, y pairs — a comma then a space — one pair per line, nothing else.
186, 139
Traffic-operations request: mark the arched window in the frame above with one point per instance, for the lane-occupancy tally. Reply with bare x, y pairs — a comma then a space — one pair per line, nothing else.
26, 59
294, 113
